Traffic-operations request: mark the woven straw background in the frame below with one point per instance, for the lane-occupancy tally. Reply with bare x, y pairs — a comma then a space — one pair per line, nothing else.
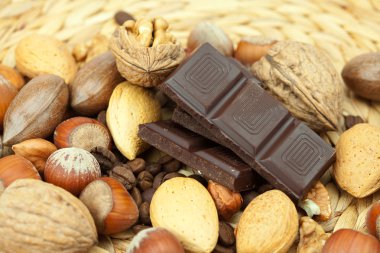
343, 28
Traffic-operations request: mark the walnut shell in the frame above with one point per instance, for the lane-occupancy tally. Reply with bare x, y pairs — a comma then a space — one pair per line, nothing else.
144, 66
312, 236
36, 110
305, 81
38, 217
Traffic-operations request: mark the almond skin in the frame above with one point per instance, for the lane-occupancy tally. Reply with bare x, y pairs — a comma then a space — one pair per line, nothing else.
37, 151
93, 85
40, 54
36, 110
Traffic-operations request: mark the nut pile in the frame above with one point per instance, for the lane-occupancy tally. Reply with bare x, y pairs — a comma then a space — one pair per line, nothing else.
76, 177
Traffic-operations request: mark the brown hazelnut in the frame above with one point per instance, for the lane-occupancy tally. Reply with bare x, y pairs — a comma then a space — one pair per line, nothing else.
72, 169
8, 92
155, 240
110, 204
15, 167
251, 49
372, 219
206, 32
362, 75
227, 202
13, 76
82, 132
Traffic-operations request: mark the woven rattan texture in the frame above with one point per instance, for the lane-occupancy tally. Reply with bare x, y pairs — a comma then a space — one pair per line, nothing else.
343, 28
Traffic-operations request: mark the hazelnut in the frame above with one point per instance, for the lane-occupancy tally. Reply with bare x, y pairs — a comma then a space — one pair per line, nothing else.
373, 221
8, 92
227, 202
13, 76
206, 32
351, 241
82, 132
72, 169
110, 204
37, 151
251, 49
362, 75
14, 167
155, 240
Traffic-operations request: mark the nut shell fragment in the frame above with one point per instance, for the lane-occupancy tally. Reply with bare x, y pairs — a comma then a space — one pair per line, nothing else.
305, 81
313, 237
320, 196
37, 217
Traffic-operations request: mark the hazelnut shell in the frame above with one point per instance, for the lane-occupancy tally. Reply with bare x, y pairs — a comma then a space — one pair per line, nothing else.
72, 169
14, 167
82, 132
110, 204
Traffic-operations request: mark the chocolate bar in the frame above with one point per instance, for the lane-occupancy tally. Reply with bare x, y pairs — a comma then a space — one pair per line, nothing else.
185, 120
209, 159
249, 121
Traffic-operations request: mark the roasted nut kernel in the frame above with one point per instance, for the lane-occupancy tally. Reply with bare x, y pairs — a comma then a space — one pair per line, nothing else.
227, 202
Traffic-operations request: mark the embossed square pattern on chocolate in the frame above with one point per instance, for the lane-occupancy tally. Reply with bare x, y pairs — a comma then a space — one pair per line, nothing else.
249, 121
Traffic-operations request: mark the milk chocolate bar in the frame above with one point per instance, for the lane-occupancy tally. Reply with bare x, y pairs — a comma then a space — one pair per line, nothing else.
209, 159
249, 121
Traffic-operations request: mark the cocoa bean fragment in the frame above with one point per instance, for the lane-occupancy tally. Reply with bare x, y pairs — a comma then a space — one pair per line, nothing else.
147, 195
220, 249
226, 234
144, 180
158, 179
124, 175
136, 195
172, 175
137, 165
106, 159
145, 213
153, 168
172, 166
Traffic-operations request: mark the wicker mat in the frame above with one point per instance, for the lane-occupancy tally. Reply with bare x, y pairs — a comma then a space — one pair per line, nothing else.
343, 28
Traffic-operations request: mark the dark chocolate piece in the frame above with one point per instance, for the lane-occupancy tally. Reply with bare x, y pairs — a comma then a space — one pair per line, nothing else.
184, 119
209, 159
249, 121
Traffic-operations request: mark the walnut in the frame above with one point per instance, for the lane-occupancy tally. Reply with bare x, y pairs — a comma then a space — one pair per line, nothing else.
313, 237
85, 51
145, 51
305, 81
317, 197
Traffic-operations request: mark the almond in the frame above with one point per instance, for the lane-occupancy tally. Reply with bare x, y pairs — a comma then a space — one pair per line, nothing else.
40, 54
130, 106
268, 224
